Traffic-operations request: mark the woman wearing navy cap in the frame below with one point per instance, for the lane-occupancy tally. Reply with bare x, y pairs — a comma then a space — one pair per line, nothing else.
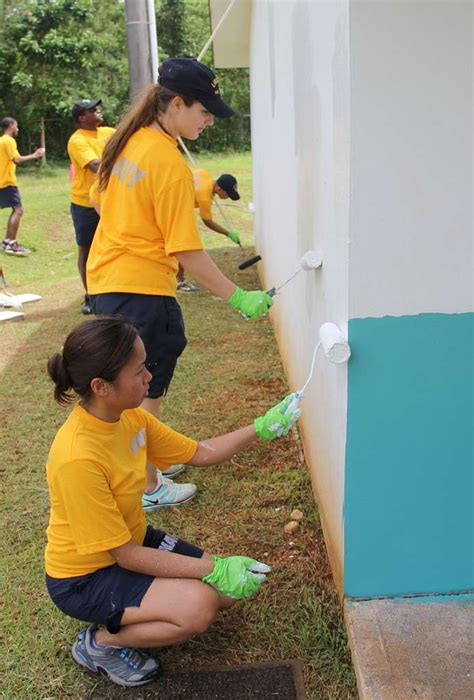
148, 226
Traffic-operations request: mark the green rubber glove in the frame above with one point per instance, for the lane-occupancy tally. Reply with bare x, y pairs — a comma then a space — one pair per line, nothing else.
251, 304
237, 577
278, 420
234, 236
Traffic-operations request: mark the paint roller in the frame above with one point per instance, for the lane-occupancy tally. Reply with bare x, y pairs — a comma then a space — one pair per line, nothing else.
311, 260
251, 261
335, 347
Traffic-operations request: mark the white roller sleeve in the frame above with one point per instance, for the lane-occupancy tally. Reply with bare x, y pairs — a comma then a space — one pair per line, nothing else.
335, 346
311, 260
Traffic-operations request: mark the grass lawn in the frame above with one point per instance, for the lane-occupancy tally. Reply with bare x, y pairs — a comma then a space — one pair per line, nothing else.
229, 373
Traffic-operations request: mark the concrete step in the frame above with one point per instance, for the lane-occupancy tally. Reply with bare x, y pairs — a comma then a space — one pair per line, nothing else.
413, 648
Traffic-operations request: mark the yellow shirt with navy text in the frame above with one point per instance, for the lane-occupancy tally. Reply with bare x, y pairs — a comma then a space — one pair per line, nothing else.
84, 146
203, 187
96, 475
8, 151
146, 216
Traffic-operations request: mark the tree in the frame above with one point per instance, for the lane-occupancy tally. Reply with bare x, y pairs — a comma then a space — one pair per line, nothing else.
48, 54
54, 53
170, 25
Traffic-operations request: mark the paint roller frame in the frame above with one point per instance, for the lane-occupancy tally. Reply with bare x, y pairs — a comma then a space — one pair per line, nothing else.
335, 347
311, 260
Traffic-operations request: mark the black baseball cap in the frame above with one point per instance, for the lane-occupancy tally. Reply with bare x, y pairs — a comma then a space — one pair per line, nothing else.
190, 78
229, 184
82, 106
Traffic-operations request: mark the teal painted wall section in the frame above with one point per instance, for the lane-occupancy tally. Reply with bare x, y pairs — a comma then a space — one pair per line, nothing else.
408, 506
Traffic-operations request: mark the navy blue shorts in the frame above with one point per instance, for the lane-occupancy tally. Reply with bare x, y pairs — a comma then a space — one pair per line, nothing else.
160, 324
102, 596
85, 220
10, 197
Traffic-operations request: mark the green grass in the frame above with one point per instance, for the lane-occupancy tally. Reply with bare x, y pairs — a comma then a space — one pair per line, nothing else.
229, 373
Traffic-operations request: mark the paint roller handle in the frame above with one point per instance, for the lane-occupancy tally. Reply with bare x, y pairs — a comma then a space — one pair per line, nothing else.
251, 261
237, 577
234, 236
278, 420
251, 304
294, 404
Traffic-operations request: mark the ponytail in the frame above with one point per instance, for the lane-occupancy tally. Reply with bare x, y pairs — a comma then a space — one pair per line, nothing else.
61, 379
152, 102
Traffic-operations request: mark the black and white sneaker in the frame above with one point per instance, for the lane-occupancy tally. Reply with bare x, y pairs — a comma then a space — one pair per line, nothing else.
123, 665
12, 247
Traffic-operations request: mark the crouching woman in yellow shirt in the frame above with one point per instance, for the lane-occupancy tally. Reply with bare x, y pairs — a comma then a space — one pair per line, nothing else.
138, 587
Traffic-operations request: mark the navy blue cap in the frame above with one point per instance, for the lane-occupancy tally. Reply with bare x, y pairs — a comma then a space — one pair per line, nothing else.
228, 183
82, 106
190, 78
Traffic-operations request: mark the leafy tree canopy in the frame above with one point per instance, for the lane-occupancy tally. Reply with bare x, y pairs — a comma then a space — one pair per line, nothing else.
54, 52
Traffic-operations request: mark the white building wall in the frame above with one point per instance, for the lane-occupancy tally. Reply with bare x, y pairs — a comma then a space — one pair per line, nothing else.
411, 157
300, 143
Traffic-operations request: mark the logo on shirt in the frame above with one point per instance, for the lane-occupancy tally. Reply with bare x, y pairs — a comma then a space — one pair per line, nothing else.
124, 169
137, 441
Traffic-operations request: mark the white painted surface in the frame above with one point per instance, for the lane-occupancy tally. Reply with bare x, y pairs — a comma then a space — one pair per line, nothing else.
411, 157
362, 145
300, 137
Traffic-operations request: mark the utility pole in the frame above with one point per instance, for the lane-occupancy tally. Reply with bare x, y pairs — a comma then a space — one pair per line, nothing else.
142, 45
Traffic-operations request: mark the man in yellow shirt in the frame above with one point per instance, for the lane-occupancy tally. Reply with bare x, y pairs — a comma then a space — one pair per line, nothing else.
9, 193
85, 148
205, 187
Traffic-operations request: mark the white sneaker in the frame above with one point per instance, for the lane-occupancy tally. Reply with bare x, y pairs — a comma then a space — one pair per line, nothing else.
185, 286
167, 493
172, 471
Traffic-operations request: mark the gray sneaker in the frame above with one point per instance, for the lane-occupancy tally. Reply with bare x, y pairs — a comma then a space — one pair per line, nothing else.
123, 665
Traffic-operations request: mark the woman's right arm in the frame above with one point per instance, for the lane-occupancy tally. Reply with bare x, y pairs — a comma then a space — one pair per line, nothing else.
161, 564
235, 577
202, 268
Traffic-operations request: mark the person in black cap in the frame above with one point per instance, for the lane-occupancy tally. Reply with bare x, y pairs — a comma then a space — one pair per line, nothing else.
85, 148
205, 188
147, 226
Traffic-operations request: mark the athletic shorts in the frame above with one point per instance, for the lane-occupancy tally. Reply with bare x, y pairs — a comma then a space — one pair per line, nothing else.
102, 596
160, 324
10, 197
85, 220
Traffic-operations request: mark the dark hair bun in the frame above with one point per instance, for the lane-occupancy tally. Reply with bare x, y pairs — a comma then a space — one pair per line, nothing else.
58, 373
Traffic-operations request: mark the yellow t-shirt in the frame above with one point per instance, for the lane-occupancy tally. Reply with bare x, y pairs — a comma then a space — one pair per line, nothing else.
96, 475
82, 147
8, 151
146, 215
203, 186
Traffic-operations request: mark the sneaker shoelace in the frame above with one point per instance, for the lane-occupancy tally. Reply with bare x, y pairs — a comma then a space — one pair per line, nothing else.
133, 657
